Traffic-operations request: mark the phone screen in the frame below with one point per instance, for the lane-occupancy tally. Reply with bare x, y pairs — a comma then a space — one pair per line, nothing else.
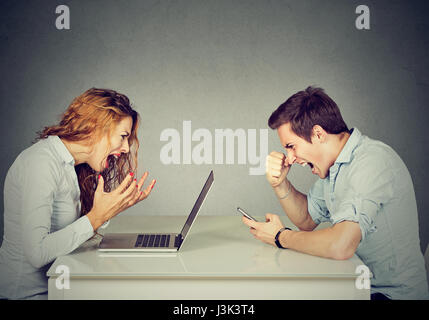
244, 213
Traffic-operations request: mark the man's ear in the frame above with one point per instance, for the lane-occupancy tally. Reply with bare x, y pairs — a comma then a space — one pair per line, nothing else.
319, 134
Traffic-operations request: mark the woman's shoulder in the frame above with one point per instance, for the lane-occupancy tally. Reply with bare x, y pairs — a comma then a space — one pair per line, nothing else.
39, 157
38, 150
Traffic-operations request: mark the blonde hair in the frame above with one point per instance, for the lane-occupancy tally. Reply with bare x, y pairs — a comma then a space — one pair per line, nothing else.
89, 117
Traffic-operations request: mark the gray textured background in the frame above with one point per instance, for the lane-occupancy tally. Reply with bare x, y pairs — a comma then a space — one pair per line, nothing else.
220, 64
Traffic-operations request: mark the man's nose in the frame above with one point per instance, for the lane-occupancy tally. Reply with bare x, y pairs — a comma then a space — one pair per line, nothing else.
290, 158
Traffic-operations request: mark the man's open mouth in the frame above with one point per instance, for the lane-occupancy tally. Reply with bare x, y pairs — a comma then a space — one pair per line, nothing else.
313, 169
309, 163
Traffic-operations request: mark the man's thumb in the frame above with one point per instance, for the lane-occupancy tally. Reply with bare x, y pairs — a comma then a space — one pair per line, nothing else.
269, 217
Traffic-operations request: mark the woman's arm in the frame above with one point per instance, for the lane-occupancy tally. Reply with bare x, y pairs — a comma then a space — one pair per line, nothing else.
38, 179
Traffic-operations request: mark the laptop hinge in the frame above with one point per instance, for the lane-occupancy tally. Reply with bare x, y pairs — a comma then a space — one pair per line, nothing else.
178, 241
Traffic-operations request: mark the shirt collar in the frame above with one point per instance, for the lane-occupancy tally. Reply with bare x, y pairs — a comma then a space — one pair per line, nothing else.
61, 149
347, 151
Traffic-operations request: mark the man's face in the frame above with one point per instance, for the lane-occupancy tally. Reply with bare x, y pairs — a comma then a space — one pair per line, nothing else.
98, 159
303, 152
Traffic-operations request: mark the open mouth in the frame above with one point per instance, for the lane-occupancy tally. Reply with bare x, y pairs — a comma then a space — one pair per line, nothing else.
110, 159
313, 170
305, 163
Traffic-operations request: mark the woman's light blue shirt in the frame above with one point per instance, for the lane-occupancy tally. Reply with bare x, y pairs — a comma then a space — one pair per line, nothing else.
41, 217
371, 185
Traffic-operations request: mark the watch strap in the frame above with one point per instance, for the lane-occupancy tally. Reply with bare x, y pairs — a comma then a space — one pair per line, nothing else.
276, 239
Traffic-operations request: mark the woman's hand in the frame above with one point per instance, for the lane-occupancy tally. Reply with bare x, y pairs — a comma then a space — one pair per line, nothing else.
106, 205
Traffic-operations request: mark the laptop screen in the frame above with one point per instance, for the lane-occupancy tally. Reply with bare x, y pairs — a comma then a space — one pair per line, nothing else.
197, 205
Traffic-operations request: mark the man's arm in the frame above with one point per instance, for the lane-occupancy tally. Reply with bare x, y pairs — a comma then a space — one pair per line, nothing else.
294, 204
337, 242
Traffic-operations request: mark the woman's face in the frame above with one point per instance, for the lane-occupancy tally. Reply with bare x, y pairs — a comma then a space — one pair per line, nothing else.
118, 145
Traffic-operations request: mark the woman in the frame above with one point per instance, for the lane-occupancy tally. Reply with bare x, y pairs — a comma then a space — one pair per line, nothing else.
60, 190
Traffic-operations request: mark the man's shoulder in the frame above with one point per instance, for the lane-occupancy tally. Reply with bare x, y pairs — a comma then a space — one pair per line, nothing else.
371, 151
374, 162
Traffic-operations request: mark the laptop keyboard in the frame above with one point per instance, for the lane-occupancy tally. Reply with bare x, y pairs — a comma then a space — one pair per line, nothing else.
152, 240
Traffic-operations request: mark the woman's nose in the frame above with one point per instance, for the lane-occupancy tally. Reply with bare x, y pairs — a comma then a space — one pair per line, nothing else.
125, 146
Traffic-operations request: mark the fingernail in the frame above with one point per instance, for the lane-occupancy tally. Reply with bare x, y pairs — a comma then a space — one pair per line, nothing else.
99, 176
131, 174
153, 185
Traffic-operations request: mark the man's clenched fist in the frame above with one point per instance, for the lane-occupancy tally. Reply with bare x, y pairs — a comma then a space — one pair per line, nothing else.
277, 166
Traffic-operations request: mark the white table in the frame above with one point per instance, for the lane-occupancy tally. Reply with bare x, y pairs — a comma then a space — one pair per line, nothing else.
219, 260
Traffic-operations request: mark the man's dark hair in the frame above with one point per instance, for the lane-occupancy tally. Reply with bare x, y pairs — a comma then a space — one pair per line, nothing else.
306, 109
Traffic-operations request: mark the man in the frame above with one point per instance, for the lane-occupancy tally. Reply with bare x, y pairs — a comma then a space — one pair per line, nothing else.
364, 190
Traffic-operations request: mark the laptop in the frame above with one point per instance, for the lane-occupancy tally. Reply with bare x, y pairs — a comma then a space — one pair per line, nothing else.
155, 242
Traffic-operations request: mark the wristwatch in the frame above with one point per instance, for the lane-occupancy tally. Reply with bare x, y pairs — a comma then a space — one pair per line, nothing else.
277, 237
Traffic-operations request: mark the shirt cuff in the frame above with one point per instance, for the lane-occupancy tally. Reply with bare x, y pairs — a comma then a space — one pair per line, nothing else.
315, 210
360, 211
105, 225
83, 228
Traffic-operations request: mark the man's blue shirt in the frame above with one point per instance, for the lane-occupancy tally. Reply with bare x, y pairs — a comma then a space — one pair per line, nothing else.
370, 184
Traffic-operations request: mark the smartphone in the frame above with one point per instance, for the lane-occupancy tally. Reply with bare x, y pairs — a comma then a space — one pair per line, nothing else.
244, 213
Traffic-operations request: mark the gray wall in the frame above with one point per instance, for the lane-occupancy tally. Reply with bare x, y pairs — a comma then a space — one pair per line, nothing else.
220, 64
